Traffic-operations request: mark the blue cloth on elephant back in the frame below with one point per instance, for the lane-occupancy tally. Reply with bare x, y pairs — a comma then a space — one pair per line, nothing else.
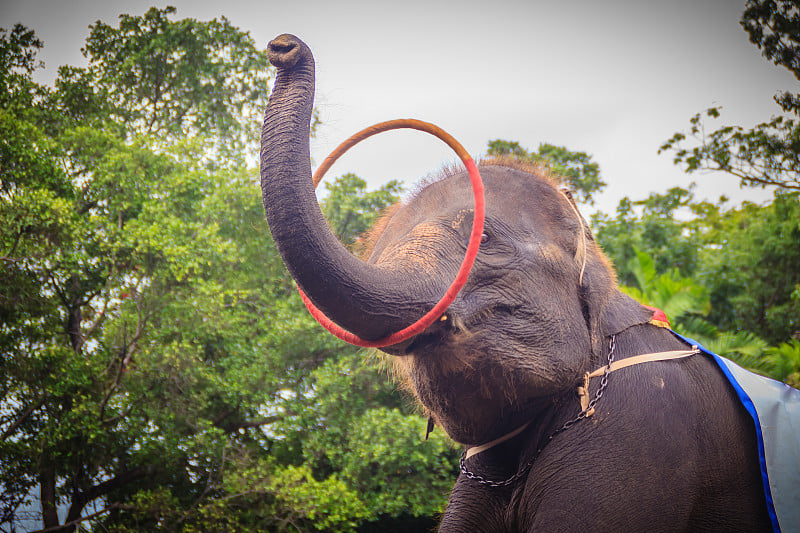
775, 408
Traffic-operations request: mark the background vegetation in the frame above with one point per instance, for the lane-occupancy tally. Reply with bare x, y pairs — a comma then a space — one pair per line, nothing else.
157, 368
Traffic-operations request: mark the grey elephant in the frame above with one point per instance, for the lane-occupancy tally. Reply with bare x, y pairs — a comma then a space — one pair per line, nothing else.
668, 446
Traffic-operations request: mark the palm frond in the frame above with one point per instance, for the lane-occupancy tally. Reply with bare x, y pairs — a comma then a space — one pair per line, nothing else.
785, 361
742, 347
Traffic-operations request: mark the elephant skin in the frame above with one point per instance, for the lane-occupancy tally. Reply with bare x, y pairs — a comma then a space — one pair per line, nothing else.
669, 447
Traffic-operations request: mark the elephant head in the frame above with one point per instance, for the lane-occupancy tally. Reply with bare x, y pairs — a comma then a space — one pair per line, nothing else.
540, 299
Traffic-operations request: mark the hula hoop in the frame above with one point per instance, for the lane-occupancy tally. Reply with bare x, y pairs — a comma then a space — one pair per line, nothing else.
472, 248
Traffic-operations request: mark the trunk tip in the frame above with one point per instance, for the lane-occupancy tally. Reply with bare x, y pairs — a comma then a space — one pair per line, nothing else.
284, 51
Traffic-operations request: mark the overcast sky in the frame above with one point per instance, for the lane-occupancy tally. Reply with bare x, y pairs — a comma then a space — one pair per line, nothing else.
611, 78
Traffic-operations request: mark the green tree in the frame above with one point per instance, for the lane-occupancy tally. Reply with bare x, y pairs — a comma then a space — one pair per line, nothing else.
171, 80
750, 262
769, 153
123, 288
746, 257
675, 295
577, 168
158, 369
687, 305
351, 210
350, 424
785, 362
651, 226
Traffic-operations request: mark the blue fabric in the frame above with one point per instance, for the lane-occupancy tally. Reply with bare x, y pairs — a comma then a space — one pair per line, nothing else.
775, 409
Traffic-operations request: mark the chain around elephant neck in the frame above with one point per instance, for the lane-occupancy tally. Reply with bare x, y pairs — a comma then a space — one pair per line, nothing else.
583, 414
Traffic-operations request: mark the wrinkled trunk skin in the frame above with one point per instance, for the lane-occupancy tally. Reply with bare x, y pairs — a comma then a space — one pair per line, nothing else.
370, 301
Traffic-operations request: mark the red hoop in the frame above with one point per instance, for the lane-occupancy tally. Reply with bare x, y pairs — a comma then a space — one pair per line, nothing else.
472, 248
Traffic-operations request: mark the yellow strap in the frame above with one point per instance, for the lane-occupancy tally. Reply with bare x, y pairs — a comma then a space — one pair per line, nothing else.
583, 391
483, 447
645, 358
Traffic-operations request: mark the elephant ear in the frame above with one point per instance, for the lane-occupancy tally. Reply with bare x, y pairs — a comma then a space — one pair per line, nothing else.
607, 310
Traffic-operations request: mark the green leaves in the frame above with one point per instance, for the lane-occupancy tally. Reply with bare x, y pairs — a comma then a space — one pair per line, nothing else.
18, 49
576, 168
650, 225
674, 295
394, 469
767, 154
351, 210
775, 28
155, 356
785, 362
132, 334
349, 424
742, 347
173, 79
686, 304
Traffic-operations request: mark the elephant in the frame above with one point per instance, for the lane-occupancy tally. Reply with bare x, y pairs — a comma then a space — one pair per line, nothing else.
668, 446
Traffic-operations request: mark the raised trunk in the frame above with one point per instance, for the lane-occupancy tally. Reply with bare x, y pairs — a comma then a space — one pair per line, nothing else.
369, 301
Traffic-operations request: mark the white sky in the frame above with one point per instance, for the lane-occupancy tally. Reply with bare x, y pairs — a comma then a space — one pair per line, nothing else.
613, 78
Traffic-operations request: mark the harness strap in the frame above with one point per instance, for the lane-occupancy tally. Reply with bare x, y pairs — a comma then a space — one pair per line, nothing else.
583, 391
483, 447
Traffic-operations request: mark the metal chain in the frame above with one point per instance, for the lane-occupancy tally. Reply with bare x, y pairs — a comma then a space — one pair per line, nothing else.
583, 414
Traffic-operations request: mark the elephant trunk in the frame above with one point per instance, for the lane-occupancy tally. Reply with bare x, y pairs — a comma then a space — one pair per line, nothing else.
367, 300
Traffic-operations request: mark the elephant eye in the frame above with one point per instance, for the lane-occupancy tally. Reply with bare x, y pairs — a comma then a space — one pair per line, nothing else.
483, 240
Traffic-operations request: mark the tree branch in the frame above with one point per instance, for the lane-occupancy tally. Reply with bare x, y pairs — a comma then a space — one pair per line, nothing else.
22, 417
128, 352
81, 499
235, 426
206, 490
71, 524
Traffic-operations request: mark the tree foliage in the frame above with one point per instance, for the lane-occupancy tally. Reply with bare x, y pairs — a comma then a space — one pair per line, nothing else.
576, 168
746, 257
765, 155
751, 264
785, 361
673, 294
153, 350
774, 27
687, 304
351, 210
649, 225
769, 153
169, 80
